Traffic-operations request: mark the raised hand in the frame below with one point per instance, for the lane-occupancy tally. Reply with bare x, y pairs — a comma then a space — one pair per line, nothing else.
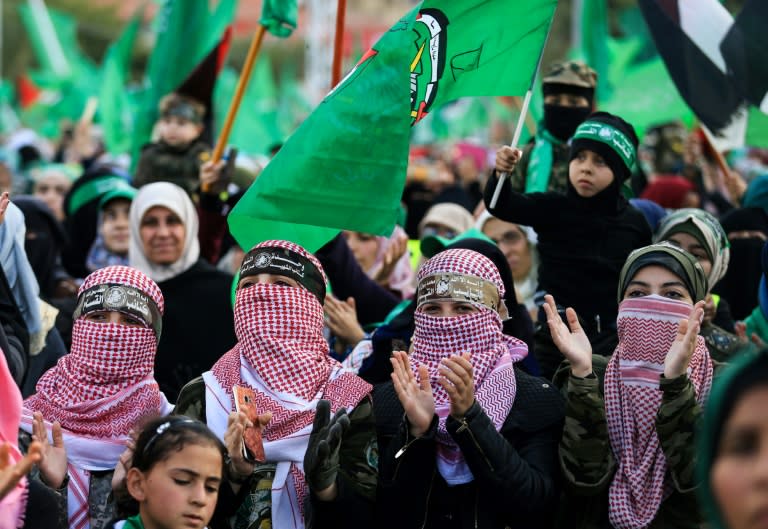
679, 354
507, 158
53, 465
457, 380
570, 339
416, 397
341, 318
4, 201
321, 460
10, 475
397, 247
123, 464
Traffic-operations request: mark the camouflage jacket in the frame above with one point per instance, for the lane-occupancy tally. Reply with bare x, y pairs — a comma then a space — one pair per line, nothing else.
723, 345
558, 178
101, 505
588, 463
357, 478
159, 162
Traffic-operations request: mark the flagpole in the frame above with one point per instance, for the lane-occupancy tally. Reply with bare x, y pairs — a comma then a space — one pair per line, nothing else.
242, 83
338, 44
520, 120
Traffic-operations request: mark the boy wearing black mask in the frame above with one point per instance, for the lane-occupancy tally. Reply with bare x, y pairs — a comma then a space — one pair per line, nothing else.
569, 90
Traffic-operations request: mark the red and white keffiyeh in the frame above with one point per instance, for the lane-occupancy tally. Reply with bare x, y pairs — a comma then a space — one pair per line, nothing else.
647, 326
101, 390
492, 355
281, 354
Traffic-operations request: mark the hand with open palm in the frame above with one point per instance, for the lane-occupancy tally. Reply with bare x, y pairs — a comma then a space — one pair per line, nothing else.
570, 339
680, 353
416, 397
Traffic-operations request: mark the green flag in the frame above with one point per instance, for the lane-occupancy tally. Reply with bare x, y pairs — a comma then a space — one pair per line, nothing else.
593, 38
115, 109
279, 16
344, 167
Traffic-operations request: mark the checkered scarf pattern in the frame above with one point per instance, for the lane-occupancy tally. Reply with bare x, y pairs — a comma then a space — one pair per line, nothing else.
280, 337
492, 352
647, 327
105, 360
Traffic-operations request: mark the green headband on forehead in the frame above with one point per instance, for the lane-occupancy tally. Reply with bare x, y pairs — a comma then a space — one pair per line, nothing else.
611, 136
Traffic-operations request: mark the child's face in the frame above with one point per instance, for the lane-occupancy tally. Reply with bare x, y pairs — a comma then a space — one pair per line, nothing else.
115, 228
181, 491
589, 174
177, 132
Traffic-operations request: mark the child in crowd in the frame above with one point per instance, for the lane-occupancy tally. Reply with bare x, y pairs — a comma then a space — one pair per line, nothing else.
114, 234
179, 151
584, 236
174, 476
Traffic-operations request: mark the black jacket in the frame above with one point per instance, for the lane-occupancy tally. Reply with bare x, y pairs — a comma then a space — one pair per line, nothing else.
198, 326
516, 470
583, 244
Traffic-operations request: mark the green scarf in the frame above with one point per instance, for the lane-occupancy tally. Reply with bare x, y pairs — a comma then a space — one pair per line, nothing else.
134, 522
540, 163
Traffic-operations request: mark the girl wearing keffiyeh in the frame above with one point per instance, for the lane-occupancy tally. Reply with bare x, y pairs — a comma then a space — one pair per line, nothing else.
320, 468
471, 439
93, 398
628, 456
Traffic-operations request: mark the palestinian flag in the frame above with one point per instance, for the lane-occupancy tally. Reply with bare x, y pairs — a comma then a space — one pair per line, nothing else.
688, 34
745, 49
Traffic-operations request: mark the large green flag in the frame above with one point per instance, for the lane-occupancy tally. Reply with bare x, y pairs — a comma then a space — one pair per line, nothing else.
593, 42
345, 166
115, 109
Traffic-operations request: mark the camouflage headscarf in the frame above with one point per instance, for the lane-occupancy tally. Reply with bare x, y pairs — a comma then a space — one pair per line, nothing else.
707, 230
671, 257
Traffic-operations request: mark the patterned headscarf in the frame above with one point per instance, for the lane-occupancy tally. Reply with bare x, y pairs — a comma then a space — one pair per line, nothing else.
174, 198
704, 228
101, 390
281, 354
492, 354
646, 326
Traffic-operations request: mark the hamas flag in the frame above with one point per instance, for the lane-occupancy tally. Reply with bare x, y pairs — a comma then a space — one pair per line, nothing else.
345, 166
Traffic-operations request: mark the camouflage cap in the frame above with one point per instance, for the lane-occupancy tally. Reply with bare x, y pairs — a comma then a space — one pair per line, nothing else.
574, 73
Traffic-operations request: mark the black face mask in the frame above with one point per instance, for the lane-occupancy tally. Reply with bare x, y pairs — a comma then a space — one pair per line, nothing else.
562, 121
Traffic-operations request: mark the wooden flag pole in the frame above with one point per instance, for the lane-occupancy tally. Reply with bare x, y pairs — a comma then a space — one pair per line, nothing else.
242, 83
338, 43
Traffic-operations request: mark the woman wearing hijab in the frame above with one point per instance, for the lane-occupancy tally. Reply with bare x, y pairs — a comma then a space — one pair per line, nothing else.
518, 243
97, 394
198, 322
701, 235
627, 453
732, 463
282, 357
466, 439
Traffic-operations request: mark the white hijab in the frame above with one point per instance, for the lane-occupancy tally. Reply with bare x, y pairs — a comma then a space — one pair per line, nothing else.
174, 198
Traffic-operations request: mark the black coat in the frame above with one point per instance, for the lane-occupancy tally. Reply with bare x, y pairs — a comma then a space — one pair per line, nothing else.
198, 326
583, 244
516, 472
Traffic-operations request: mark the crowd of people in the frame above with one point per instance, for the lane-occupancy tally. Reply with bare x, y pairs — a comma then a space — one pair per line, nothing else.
589, 351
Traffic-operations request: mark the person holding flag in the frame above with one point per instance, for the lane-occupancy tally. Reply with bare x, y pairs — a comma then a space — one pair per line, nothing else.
569, 97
